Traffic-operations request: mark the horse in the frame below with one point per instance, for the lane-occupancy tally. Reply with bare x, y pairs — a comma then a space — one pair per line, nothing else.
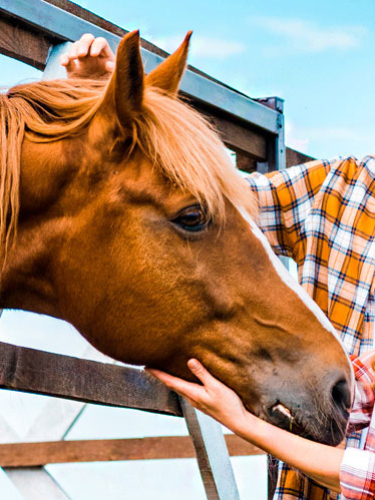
122, 214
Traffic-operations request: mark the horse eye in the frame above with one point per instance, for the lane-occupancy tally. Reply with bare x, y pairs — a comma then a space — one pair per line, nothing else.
192, 219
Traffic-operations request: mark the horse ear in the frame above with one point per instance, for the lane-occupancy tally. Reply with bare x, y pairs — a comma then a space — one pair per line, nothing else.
124, 94
167, 76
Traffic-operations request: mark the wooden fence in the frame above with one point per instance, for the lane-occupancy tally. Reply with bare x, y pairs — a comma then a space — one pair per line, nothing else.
38, 372
33, 31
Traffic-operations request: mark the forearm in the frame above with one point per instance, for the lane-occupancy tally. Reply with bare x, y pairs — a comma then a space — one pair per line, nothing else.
318, 461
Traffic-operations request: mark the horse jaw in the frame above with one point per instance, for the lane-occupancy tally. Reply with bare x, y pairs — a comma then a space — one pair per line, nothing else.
297, 289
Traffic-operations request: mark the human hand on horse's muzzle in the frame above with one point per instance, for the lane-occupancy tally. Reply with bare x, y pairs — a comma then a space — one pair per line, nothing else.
212, 397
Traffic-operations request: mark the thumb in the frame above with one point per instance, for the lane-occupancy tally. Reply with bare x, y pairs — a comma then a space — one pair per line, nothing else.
68, 63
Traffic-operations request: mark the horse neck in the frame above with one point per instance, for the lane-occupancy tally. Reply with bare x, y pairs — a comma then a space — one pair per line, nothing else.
26, 281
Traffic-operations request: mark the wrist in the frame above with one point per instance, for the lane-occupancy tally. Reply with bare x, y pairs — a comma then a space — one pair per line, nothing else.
247, 425
257, 431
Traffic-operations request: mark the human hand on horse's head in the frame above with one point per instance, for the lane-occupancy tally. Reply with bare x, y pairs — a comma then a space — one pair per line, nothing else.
89, 57
212, 397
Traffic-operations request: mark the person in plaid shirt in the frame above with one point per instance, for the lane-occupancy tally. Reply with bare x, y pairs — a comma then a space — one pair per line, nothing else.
322, 215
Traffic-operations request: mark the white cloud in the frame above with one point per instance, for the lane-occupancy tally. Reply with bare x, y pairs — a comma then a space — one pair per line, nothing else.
201, 46
304, 36
330, 141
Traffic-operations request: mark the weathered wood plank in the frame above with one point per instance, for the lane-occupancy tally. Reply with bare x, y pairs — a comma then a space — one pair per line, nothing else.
23, 44
246, 163
53, 423
239, 138
294, 157
152, 448
33, 48
89, 16
29, 370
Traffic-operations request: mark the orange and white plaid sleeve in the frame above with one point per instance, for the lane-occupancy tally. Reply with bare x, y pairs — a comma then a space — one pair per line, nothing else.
285, 199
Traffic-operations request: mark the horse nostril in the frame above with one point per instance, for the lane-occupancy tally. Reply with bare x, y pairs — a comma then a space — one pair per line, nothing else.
341, 394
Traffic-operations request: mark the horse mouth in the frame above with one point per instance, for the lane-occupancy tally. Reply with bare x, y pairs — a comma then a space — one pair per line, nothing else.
281, 416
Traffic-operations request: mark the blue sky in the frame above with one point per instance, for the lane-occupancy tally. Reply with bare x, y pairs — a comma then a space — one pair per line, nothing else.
318, 56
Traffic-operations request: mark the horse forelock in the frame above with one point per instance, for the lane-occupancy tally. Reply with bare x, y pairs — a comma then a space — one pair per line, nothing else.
176, 138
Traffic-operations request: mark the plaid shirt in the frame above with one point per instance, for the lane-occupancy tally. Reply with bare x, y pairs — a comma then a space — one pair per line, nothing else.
357, 471
322, 214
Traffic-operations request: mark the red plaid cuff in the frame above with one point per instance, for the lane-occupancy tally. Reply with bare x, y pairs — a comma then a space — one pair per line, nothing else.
363, 405
357, 474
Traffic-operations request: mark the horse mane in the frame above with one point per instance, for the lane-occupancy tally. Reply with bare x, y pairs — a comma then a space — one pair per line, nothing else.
176, 138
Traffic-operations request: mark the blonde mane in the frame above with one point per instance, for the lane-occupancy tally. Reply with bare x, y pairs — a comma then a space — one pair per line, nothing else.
175, 137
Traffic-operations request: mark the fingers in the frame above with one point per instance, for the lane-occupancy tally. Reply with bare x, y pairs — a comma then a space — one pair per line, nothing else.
101, 47
83, 45
64, 60
200, 372
68, 59
88, 45
186, 389
169, 380
67, 62
181, 386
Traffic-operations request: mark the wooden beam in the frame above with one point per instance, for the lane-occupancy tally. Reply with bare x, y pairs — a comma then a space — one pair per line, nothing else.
52, 424
246, 163
237, 136
294, 157
29, 370
23, 44
30, 44
151, 448
241, 139
89, 16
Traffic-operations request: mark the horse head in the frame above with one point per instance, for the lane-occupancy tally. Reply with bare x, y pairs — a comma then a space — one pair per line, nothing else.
134, 226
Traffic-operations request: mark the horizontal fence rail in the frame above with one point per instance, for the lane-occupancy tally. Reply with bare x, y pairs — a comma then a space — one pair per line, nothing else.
105, 450
63, 26
29, 29
29, 370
